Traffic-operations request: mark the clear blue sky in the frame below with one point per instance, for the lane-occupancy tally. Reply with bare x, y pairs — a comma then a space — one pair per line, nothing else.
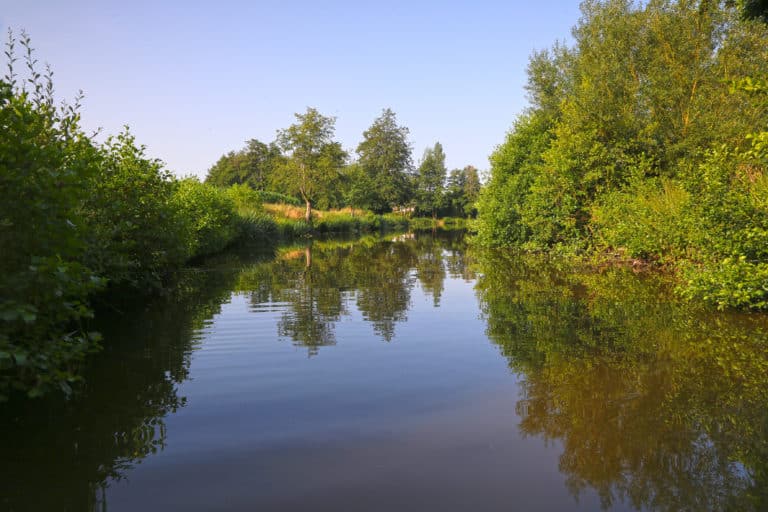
196, 79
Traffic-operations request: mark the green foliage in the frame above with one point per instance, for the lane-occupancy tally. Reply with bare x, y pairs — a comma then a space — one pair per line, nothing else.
256, 225
648, 218
646, 137
244, 198
76, 215
210, 213
314, 160
503, 206
393, 222
385, 166
253, 165
730, 283
430, 182
134, 232
462, 191
45, 160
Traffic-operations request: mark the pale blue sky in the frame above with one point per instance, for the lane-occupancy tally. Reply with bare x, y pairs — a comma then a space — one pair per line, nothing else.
196, 79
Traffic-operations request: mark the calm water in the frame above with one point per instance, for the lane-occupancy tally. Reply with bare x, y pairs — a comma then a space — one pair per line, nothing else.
403, 374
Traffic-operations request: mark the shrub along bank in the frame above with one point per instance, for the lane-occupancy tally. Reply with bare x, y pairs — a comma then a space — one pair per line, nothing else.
78, 218
645, 138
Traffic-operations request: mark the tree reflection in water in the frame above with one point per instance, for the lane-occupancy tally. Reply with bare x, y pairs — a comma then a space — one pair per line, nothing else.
59, 454
320, 281
656, 404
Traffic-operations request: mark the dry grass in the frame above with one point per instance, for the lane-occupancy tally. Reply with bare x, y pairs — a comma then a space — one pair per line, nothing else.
287, 211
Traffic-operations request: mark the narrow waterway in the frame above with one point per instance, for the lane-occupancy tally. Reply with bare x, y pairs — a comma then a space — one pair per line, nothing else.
403, 373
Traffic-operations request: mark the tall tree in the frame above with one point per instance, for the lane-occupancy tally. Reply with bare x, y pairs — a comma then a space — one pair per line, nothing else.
471, 189
385, 164
462, 191
313, 159
431, 180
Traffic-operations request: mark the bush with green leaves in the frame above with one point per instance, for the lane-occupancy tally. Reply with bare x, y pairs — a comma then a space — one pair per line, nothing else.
210, 216
635, 142
135, 233
648, 219
45, 159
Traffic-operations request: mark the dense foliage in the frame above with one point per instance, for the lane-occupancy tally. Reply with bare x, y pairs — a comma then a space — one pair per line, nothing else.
430, 192
44, 162
306, 165
645, 138
385, 167
253, 165
312, 169
78, 217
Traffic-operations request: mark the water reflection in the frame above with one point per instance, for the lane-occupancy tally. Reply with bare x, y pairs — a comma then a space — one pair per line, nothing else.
321, 281
57, 454
655, 405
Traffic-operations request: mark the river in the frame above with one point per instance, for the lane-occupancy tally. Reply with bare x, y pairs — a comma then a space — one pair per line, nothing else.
406, 372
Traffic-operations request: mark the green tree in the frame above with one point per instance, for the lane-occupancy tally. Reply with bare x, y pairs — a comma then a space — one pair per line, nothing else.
631, 108
431, 180
252, 165
386, 165
313, 159
462, 191
472, 188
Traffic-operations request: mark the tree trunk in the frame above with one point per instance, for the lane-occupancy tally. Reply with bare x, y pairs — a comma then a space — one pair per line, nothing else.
308, 214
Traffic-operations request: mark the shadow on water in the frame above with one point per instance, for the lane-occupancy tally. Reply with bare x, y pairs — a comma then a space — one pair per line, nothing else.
657, 405
57, 454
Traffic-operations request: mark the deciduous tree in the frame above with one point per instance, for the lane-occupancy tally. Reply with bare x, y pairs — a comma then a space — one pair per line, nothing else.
431, 180
313, 159
386, 164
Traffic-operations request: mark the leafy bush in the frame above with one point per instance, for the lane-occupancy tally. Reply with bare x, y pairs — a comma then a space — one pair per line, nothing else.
44, 162
648, 219
257, 225
209, 213
244, 198
133, 231
394, 222
730, 283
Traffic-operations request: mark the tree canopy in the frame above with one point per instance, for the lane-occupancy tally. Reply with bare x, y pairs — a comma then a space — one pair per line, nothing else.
313, 158
253, 165
431, 180
637, 140
385, 165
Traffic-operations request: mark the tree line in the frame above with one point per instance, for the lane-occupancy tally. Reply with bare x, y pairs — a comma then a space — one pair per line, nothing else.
84, 222
645, 139
304, 161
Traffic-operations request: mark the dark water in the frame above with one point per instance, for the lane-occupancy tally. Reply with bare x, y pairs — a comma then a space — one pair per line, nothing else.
409, 374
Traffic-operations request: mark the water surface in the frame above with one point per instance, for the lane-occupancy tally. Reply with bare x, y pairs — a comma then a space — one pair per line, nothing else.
404, 373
